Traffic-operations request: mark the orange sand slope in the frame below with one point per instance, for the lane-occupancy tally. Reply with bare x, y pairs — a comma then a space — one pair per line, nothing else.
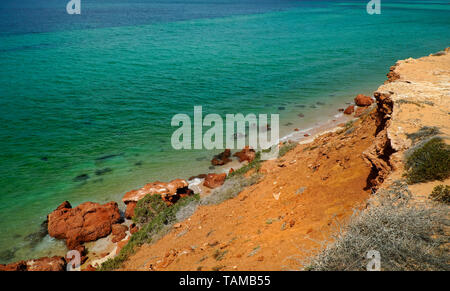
304, 195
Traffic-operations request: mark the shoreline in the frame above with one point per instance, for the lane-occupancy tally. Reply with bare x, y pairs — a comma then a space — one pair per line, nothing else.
104, 245
339, 134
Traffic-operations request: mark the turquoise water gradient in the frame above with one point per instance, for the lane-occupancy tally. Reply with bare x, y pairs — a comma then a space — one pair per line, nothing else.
80, 98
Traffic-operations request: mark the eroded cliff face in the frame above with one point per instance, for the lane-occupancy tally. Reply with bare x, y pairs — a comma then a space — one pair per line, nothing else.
275, 223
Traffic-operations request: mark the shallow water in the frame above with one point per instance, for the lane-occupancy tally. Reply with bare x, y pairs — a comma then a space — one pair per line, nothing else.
91, 96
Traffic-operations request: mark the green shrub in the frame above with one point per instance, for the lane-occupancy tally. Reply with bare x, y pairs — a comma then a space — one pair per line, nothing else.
441, 193
429, 162
148, 208
255, 164
157, 224
286, 148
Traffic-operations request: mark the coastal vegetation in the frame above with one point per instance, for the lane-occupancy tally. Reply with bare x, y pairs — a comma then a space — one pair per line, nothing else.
407, 234
156, 224
441, 193
428, 162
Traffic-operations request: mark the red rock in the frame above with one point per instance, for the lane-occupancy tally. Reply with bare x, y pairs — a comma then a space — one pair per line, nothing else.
230, 171
297, 129
47, 264
42, 264
362, 100
170, 192
214, 180
306, 135
17, 266
119, 232
246, 154
90, 268
134, 228
87, 222
222, 158
129, 211
349, 110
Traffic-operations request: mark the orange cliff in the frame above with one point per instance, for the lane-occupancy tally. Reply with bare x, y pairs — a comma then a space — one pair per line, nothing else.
306, 194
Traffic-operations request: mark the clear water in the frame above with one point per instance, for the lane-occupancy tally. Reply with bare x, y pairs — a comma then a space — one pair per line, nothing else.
81, 93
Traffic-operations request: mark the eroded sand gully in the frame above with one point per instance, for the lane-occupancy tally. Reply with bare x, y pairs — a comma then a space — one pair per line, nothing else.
317, 184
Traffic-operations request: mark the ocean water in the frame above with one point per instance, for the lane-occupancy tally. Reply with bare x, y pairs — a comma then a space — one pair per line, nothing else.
93, 94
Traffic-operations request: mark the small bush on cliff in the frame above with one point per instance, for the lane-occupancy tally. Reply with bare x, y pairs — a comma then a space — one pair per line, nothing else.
255, 164
157, 224
408, 236
287, 147
441, 193
429, 162
148, 208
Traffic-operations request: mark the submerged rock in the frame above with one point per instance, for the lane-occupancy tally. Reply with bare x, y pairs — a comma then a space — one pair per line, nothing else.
103, 171
107, 157
81, 178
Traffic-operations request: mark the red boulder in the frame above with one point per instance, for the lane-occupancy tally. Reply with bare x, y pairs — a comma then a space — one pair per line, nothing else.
349, 110
87, 222
119, 232
214, 180
362, 100
247, 154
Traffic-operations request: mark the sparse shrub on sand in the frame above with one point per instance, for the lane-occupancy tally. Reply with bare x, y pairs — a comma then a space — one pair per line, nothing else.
287, 147
428, 162
409, 236
230, 189
441, 193
423, 133
255, 164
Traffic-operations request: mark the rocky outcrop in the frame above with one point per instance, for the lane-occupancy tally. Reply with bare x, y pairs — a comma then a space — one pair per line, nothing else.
362, 100
379, 153
119, 232
87, 222
349, 110
392, 76
42, 264
246, 154
222, 158
214, 180
169, 192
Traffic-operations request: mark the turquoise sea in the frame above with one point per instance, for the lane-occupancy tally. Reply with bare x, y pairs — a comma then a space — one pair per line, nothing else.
92, 95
